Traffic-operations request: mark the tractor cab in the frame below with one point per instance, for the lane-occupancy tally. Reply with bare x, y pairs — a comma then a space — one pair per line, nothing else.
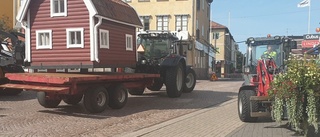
155, 45
267, 48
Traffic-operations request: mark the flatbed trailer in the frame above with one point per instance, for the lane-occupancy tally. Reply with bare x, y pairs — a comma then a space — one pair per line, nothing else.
98, 90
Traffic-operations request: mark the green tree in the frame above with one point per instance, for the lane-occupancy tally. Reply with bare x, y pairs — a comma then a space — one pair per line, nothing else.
4, 25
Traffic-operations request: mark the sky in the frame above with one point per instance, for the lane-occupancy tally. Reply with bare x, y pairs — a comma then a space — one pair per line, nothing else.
258, 18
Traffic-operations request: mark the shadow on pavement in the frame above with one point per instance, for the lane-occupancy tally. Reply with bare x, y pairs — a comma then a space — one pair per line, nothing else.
151, 101
24, 95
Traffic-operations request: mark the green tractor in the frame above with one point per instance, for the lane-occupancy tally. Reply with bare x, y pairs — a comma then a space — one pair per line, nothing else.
162, 53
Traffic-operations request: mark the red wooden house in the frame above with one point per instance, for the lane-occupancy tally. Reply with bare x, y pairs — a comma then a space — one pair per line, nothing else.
79, 33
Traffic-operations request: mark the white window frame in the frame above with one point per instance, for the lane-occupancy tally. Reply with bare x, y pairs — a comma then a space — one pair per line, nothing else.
102, 44
38, 32
60, 70
68, 31
129, 43
74, 70
58, 14
42, 70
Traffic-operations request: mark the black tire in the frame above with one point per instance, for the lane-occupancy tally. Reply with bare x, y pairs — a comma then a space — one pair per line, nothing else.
136, 91
244, 106
43, 101
190, 81
118, 96
157, 85
72, 99
174, 81
96, 100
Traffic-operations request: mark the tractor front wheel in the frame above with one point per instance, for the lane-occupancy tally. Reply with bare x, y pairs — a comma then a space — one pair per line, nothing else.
157, 85
190, 81
244, 106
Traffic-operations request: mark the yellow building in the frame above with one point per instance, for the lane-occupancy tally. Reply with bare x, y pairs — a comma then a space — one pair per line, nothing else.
9, 10
222, 40
190, 19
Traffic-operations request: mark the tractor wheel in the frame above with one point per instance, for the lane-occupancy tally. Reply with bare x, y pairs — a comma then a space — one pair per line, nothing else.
136, 91
45, 102
175, 81
73, 99
244, 106
118, 96
190, 81
157, 85
96, 100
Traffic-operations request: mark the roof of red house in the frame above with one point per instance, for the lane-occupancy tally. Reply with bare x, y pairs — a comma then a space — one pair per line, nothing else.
117, 10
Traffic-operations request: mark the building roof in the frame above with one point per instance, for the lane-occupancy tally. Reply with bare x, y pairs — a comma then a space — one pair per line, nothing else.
215, 25
117, 10
114, 10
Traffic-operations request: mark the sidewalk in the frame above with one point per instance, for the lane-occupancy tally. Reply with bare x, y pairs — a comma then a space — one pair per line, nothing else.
217, 121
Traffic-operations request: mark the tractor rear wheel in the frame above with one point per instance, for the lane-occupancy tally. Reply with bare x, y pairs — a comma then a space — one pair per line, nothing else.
175, 81
118, 96
244, 106
190, 82
157, 85
45, 102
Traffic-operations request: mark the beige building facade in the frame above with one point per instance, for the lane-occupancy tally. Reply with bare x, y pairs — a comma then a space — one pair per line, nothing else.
222, 40
189, 19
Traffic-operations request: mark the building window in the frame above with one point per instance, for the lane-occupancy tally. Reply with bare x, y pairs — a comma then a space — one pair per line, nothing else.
75, 38
202, 30
58, 8
126, 1
146, 22
144, 0
162, 23
182, 22
44, 39
129, 42
216, 35
104, 38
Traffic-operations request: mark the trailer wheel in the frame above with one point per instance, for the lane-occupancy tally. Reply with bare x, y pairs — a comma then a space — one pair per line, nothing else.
136, 91
118, 96
72, 99
190, 81
45, 102
244, 106
157, 85
174, 81
96, 101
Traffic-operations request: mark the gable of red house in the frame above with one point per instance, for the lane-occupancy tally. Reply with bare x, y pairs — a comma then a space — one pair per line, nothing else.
79, 33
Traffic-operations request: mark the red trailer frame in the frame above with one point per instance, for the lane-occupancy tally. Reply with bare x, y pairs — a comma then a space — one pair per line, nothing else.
98, 89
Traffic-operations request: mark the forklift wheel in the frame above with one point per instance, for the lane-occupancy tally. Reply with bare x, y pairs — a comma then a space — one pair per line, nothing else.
244, 106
